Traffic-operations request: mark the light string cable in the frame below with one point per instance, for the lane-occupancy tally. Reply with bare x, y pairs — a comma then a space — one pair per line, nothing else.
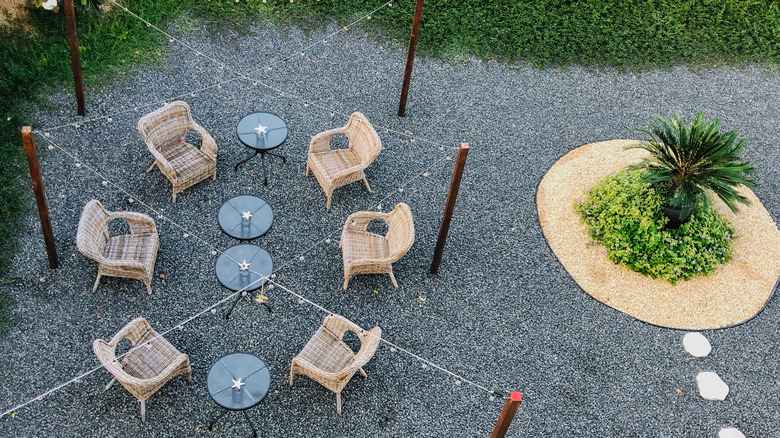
180, 325
458, 377
212, 307
238, 75
247, 76
400, 189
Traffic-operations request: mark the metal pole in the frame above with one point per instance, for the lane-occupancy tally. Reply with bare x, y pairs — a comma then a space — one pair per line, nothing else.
457, 174
507, 414
410, 57
40, 196
75, 61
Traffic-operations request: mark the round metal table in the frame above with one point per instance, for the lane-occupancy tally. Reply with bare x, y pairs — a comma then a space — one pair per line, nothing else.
237, 382
262, 132
246, 217
244, 267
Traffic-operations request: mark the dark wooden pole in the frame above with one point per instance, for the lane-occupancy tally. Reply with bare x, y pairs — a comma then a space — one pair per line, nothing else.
410, 57
40, 196
75, 60
457, 174
505, 419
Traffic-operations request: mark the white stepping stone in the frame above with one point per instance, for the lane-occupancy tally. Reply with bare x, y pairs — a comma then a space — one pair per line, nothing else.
696, 344
730, 432
711, 387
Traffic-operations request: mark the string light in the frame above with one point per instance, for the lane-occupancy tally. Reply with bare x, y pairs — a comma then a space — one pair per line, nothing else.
212, 308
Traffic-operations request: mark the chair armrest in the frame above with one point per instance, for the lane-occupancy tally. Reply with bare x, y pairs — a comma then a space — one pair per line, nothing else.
321, 142
139, 222
208, 145
161, 161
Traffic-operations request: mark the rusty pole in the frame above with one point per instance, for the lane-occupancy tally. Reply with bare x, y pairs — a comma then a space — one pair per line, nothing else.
507, 415
410, 57
457, 174
40, 196
75, 60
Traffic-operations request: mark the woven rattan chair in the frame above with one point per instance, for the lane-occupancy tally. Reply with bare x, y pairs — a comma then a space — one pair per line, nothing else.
150, 363
164, 132
335, 168
368, 253
326, 359
130, 255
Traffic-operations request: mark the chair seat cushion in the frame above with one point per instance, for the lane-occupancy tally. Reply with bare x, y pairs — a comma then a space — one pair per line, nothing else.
145, 362
139, 247
188, 160
363, 245
334, 161
327, 352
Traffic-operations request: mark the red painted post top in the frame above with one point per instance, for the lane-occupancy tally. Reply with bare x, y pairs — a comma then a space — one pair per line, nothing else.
515, 396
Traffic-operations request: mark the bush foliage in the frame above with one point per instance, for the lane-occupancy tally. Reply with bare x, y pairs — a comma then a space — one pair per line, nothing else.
623, 212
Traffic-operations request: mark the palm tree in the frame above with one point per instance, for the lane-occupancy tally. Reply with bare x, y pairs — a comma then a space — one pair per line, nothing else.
693, 158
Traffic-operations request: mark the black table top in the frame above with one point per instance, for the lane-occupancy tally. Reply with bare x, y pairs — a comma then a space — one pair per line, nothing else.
258, 213
231, 275
238, 381
262, 131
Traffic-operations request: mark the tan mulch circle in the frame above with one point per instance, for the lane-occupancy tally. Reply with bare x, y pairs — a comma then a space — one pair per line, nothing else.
734, 293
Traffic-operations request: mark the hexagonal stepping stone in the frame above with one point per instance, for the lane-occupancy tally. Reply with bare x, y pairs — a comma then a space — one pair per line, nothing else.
696, 344
730, 432
711, 387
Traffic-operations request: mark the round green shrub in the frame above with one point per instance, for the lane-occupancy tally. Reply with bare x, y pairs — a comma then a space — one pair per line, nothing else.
623, 212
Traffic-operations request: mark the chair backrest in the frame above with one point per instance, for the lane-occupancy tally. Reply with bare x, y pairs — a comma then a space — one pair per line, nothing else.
400, 230
363, 139
165, 126
92, 234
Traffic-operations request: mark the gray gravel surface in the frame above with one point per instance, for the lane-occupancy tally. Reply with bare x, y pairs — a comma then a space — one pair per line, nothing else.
502, 312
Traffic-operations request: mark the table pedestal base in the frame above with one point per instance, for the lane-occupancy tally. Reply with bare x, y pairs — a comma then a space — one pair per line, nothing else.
240, 295
254, 431
262, 162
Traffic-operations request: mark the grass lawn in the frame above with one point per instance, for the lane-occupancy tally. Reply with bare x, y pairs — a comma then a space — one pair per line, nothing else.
596, 33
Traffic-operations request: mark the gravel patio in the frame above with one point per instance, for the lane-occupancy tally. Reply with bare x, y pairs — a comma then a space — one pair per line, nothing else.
502, 312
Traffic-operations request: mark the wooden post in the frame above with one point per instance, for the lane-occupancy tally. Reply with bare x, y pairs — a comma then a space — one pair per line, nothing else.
75, 60
410, 57
457, 174
505, 419
40, 196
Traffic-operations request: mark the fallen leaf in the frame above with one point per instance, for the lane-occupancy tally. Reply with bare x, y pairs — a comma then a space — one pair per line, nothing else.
251, 341
197, 429
678, 390
376, 291
98, 317
13, 414
421, 298
162, 276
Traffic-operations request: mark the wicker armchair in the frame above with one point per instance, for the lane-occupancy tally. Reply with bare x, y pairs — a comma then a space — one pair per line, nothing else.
368, 253
129, 256
150, 363
327, 360
339, 167
183, 164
